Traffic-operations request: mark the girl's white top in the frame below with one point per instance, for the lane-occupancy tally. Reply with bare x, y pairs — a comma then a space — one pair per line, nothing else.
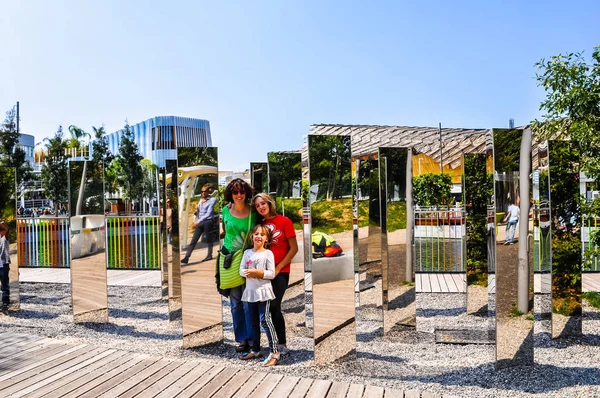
258, 289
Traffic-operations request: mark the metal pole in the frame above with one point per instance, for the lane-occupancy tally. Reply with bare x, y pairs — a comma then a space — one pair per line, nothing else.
18, 117
408, 276
523, 270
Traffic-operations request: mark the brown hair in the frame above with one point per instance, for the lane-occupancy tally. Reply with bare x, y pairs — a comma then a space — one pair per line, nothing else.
268, 199
266, 231
239, 185
208, 187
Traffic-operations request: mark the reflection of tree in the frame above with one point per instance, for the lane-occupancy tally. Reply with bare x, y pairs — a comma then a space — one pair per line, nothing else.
566, 223
55, 171
197, 156
330, 165
507, 149
7, 201
92, 198
478, 189
284, 169
395, 166
432, 189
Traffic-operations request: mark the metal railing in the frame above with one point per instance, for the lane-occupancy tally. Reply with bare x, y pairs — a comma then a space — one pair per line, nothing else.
43, 242
133, 242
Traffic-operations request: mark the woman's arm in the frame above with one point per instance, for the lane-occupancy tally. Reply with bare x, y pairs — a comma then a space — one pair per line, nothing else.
289, 256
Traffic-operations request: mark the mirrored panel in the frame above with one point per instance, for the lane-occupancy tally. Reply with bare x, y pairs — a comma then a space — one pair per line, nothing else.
439, 239
332, 260
88, 255
369, 272
563, 172
285, 185
9, 241
514, 322
542, 246
478, 189
259, 177
398, 292
198, 179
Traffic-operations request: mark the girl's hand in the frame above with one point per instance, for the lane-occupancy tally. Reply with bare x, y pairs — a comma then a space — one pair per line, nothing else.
252, 273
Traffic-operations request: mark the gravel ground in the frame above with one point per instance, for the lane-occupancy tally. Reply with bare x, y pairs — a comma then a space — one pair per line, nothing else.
405, 359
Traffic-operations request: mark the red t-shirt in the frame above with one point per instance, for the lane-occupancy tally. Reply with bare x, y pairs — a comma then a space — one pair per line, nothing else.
282, 228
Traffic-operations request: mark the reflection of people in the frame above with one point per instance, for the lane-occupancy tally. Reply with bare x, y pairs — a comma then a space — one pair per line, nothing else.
284, 247
259, 293
235, 220
4, 264
512, 215
204, 223
169, 220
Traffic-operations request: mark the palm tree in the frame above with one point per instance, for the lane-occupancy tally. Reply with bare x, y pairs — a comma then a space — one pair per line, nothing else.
77, 141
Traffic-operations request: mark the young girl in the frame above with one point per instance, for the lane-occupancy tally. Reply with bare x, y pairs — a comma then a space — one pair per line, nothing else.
258, 267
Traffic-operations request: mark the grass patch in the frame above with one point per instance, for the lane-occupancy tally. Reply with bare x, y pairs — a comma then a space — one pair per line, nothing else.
568, 306
332, 216
593, 298
514, 311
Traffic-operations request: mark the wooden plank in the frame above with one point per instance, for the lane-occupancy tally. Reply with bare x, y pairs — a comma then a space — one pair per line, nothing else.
443, 283
425, 283
355, 391
24, 352
426, 394
266, 386
35, 357
418, 284
216, 383
165, 382
435, 284
449, 280
147, 382
139, 377
285, 387
50, 381
186, 380
338, 390
412, 394
118, 379
54, 380
301, 388
393, 393
93, 378
319, 389
459, 283
373, 392
250, 385
23, 373
201, 382
235, 384
22, 348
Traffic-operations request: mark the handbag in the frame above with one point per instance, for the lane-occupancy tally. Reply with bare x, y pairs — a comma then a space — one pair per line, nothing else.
229, 265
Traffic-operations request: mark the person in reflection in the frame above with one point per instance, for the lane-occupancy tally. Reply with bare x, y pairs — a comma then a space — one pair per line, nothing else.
235, 226
259, 293
512, 215
4, 264
284, 247
169, 220
204, 223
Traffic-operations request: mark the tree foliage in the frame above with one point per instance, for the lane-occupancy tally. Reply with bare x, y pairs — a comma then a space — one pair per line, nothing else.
285, 168
128, 170
11, 154
330, 165
55, 171
432, 189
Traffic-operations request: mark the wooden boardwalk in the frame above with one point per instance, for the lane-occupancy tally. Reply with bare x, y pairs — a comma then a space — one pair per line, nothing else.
33, 366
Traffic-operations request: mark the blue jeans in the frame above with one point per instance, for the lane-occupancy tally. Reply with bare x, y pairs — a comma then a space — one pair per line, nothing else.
511, 227
237, 313
260, 311
5, 283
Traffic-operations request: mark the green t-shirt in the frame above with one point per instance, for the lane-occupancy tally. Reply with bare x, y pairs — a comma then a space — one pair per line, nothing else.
236, 228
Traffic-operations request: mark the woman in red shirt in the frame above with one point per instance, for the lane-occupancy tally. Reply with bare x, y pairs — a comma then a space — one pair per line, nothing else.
284, 247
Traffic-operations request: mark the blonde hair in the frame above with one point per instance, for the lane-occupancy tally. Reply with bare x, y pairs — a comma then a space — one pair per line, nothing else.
269, 200
266, 231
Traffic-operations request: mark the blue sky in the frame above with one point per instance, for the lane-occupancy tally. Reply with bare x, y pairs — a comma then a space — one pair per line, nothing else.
262, 72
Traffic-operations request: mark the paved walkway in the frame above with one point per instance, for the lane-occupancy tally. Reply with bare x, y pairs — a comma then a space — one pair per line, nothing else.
35, 366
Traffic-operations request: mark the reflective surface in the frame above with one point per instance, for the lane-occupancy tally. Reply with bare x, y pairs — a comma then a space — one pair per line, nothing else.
563, 164
514, 324
478, 189
88, 255
259, 177
198, 240
10, 272
285, 183
369, 272
332, 277
171, 271
398, 294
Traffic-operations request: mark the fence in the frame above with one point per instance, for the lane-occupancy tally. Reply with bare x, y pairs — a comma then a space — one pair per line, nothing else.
133, 242
439, 240
43, 242
589, 226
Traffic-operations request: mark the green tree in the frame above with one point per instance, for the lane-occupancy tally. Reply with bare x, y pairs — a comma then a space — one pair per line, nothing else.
285, 168
11, 154
129, 170
432, 189
330, 165
55, 171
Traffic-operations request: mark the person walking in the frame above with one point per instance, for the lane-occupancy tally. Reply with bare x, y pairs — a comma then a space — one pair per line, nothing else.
204, 223
4, 264
512, 215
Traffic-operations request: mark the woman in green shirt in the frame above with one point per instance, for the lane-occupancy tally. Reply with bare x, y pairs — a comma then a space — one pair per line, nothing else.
238, 194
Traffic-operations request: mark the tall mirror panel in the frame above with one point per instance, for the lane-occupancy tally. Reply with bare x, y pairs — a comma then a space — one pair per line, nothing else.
563, 171
542, 246
398, 293
198, 180
88, 236
332, 260
369, 273
171, 269
285, 186
10, 244
478, 188
259, 177
514, 323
